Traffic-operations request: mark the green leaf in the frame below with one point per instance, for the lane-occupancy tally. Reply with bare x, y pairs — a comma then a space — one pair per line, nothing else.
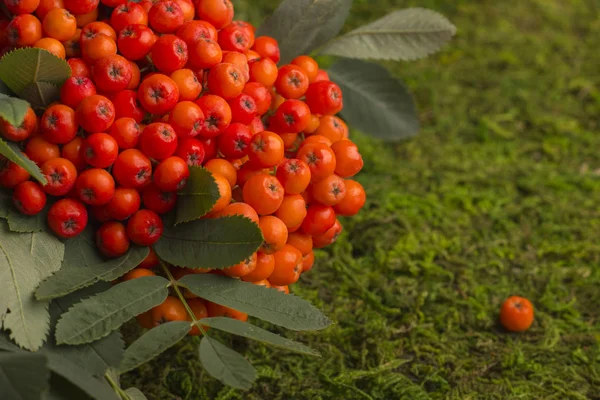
374, 101
22, 223
406, 35
95, 388
270, 305
73, 277
62, 389
226, 365
300, 26
14, 154
96, 317
6, 203
23, 67
96, 357
12, 109
153, 343
253, 332
198, 196
209, 243
41, 94
23, 376
135, 394
25, 260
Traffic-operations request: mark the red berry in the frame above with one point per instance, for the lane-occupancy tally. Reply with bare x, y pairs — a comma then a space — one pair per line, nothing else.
243, 109
217, 115
158, 94
292, 116
136, 41
235, 141
124, 203
100, 150
169, 53
126, 132
29, 198
261, 95
324, 98
132, 169
67, 218
158, 201
158, 141
191, 151
127, 105
11, 174
319, 218
112, 239
58, 124
145, 227
95, 114
171, 174
127, 14
165, 17
75, 89
112, 74
60, 174
95, 187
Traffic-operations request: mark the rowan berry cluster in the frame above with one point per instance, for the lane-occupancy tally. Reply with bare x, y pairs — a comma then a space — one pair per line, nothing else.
158, 87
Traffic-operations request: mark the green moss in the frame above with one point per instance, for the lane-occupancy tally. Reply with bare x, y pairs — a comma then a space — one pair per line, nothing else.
499, 195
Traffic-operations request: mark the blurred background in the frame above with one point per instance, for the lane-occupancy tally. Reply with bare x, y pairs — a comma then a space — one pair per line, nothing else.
498, 195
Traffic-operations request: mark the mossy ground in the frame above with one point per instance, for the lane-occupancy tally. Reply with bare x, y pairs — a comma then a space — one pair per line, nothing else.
499, 195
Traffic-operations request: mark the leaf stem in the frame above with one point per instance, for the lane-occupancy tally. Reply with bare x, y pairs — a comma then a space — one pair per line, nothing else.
170, 276
116, 387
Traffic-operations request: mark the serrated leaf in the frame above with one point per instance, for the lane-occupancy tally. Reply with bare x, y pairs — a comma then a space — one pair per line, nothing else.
135, 394
22, 223
23, 376
73, 277
270, 305
253, 332
5, 203
96, 357
226, 365
23, 67
13, 109
153, 343
300, 26
25, 260
209, 243
13, 153
374, 101
98, 316
198, 196
407, 35
41, 94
